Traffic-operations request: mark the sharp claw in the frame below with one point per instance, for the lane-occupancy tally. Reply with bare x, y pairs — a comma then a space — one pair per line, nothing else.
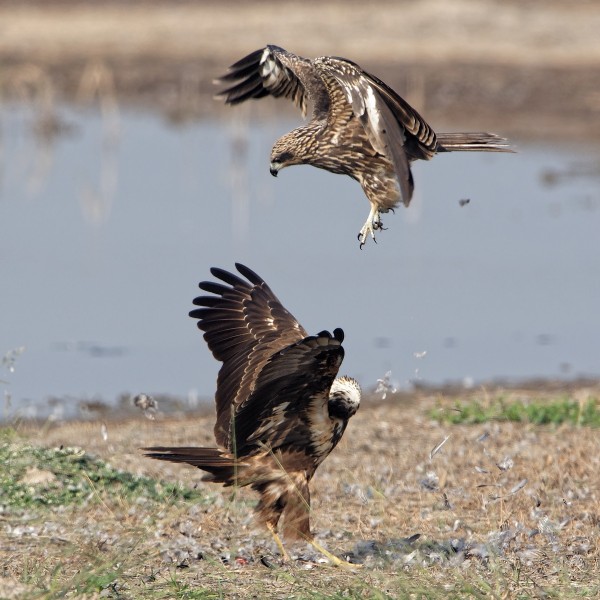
372, 225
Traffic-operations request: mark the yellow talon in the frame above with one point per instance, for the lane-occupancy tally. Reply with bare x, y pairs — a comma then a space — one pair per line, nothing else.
284, 555
338, 562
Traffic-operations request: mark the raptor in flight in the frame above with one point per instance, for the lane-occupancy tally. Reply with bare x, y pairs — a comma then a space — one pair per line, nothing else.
360, 127
281, 409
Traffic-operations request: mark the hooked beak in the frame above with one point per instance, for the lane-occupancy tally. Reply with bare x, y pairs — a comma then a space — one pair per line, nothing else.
274, 170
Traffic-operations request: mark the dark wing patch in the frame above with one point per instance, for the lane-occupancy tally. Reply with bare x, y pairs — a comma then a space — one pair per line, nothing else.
289, 401
270, 71
244, 324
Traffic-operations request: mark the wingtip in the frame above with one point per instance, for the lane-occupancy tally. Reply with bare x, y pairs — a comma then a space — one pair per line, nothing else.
221, 96
249, 274
338, 334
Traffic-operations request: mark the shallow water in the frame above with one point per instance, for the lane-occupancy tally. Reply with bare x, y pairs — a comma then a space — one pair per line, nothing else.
106, 230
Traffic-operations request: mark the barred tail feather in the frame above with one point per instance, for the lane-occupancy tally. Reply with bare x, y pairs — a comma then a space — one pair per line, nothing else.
472, 142
219, 464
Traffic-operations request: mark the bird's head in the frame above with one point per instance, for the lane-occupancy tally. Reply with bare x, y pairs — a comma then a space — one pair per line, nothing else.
287, 151
344, 397
280, 160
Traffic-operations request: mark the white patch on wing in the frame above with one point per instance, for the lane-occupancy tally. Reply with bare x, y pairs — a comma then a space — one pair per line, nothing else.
375, 123
372, 108
355, 98
265, 56
270, 70
349, 93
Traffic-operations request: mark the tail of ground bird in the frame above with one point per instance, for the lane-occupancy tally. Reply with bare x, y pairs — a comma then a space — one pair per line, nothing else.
219, 464
472, 142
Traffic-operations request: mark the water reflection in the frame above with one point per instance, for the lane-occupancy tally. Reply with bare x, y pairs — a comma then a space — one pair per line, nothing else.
100, 259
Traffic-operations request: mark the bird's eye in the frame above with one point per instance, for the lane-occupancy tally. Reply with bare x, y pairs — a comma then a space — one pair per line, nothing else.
283, 157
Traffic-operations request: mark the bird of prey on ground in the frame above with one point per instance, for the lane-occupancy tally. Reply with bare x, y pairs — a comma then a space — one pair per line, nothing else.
360, 126
281, 409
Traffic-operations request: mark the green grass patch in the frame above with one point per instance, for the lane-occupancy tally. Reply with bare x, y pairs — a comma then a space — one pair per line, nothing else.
538, 412
35, 477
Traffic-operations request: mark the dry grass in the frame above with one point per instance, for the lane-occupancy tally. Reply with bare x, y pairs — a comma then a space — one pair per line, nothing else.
543, 33
504, 510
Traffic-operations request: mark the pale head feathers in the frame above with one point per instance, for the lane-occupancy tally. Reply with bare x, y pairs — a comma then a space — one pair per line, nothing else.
344, 396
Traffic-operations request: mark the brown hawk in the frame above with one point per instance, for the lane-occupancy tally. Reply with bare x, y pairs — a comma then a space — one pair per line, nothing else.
360, 127
281, 409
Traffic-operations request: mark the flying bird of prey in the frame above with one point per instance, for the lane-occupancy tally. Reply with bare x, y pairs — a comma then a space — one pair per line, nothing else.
281, 409
360, 127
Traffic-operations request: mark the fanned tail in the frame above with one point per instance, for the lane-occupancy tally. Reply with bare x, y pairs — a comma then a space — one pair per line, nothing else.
472, 142
221, 466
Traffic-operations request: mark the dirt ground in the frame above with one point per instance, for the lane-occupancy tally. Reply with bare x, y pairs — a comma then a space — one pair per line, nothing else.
504, 510
526, 67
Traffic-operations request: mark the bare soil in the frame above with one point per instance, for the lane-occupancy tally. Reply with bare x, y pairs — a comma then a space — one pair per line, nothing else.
503, 510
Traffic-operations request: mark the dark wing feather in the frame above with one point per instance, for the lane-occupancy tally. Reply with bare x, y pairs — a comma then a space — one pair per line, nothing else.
421, 142
289, 402
244, 324
274, 71
386, 134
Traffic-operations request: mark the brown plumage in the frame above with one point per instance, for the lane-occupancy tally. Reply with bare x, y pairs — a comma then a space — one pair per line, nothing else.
360, 127
280, 408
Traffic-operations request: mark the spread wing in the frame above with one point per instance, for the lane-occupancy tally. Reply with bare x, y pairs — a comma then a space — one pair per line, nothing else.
289, 401
274, 71
244, 325
394, 129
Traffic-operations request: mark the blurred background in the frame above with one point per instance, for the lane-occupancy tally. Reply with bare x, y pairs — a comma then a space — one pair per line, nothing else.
122, 181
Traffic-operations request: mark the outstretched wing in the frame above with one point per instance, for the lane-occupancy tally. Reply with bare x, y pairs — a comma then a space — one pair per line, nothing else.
288, 406
245, 325
274, 71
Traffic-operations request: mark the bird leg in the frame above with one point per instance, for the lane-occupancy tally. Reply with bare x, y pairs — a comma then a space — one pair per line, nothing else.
372, 224
273, 529
338, 562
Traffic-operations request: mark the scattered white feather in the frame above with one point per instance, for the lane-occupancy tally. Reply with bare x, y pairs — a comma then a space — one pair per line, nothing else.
385, 386
519, 486
435, 450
